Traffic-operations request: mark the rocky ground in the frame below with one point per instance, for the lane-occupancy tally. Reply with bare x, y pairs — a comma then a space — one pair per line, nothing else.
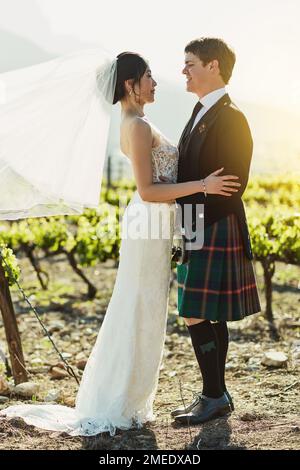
266, 397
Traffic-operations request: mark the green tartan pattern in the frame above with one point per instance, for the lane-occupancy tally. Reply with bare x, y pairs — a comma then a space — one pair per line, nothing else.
218, 282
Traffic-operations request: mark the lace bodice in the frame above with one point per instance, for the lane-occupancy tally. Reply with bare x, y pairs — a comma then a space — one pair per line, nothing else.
165, 161
164, 158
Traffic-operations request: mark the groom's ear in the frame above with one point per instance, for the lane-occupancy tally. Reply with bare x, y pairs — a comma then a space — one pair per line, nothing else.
214, 66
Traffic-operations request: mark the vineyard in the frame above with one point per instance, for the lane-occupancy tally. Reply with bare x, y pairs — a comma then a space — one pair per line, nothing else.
94, 237
84, 250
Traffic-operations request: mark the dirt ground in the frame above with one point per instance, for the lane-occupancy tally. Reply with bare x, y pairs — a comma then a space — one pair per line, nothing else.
266, 399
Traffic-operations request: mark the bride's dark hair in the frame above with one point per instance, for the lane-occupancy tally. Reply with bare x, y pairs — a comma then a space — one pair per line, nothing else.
130, 65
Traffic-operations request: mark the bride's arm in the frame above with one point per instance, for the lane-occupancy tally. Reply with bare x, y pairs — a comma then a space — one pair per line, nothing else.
140, 146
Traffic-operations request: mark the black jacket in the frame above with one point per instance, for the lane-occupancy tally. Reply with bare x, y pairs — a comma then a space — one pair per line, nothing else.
221, 138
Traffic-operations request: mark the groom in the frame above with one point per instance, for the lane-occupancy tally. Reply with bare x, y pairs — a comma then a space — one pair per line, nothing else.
217, 283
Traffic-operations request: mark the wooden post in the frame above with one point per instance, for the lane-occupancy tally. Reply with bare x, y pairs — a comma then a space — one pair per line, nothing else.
11, 331
269, 269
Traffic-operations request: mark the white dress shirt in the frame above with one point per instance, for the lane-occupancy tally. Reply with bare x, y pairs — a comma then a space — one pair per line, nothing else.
208, 101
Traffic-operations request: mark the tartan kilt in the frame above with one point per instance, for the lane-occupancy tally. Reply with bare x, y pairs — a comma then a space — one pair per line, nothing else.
218, 282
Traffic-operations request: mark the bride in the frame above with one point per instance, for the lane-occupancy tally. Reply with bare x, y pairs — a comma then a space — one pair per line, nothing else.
120, 379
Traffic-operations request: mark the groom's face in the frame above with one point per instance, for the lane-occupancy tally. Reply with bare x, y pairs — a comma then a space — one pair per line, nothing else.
197, 75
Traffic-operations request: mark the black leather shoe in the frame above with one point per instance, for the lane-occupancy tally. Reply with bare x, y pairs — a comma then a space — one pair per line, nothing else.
180, 411
229, 399
197, 398
205, 410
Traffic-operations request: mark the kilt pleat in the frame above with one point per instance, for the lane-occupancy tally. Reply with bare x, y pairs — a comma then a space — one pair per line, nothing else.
218, 282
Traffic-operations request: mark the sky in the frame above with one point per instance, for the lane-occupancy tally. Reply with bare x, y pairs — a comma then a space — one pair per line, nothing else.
265, 35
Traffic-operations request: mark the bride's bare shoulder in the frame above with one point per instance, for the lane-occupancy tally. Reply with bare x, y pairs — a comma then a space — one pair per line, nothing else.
136, 125
133, 130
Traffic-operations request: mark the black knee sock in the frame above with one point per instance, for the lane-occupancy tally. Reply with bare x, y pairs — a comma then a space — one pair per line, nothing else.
206, 349
221, 332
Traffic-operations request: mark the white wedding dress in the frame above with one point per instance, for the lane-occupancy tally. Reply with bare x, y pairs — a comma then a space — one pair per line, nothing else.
120, 379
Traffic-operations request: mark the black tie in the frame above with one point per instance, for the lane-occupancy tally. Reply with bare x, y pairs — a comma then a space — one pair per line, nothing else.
194, 114
190, 123
197, 108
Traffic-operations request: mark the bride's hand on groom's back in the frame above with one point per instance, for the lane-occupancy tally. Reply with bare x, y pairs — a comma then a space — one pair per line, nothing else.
222, 185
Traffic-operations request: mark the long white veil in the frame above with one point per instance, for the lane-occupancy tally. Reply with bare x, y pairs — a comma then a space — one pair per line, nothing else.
53, 133
54, 126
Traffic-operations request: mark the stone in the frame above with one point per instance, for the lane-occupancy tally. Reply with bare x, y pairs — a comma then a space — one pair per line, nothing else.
4, 387
67, 356
88, 331
172, 373
80, 356
274, 359
296, 351
253, 364
64, 333
81, 364
69, 401
26, 389
38, 370
75, 338
56, 326
53, 395
58, 373
231, 366
3, 400
36, 361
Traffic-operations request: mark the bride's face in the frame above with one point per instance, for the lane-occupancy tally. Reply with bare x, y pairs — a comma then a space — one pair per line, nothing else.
146, 88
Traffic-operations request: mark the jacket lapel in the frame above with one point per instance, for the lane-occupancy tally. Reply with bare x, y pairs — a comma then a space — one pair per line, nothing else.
207, 120
196, 138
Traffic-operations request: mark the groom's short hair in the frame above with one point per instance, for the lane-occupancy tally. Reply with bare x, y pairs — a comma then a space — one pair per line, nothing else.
208, 49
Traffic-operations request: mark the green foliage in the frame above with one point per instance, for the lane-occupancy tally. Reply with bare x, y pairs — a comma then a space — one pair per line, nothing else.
94, 236
7, 257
